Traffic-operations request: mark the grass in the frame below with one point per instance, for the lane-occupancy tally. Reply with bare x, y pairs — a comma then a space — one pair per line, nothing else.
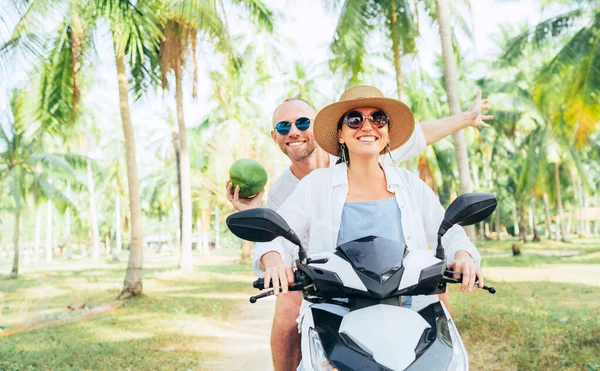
525, 326
530, 326
164, 329
576, 251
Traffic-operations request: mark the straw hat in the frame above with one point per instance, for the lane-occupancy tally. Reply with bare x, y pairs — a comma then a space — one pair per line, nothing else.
402, 121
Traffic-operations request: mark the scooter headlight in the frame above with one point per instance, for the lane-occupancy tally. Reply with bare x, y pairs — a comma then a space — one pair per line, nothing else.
460, 359
317, 353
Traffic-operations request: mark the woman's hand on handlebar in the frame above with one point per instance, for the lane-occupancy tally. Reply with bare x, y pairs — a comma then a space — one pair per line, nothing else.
277, 271
464, 263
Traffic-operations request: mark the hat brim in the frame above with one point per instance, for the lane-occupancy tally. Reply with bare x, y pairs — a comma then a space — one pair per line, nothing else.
402, 122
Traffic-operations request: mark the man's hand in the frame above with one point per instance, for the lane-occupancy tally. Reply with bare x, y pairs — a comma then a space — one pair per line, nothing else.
479, 106
463, 263
277, 270
241, 204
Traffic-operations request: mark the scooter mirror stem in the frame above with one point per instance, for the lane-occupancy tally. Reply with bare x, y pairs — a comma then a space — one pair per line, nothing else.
439, 251
293, 238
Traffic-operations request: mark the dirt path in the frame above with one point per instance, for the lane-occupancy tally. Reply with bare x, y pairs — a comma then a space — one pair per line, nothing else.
242, 343
587, 274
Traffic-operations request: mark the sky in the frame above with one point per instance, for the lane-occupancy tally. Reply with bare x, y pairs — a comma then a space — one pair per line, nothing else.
306, 30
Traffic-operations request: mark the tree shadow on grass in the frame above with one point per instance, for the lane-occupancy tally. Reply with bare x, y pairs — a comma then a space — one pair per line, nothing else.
79, 347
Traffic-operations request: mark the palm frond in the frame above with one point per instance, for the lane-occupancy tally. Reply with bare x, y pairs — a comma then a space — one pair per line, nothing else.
540, 35
400, 23
50, 192
55, 107
52, 161
259, 13
573, 78
349, 40
25, 38
136, 28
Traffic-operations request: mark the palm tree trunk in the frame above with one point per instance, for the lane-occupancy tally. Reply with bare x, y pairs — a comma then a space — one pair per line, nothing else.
133, 277
206, 229
581, 225
186, 186
15, 268
246, 250
38, 233
523, 226
93, 214
515, 222
559, 206
68, 247
199, 232
578, 202
217, 228
548, 217
536, 236
586, 205
498, 224
398, 66
117, 223
397, 63
179, 205
452, 92
49, 231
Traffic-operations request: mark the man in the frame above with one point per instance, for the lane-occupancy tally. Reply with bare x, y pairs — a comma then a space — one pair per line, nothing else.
293, 133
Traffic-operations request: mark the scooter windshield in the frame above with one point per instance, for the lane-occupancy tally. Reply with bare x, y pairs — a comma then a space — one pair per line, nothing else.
376, 257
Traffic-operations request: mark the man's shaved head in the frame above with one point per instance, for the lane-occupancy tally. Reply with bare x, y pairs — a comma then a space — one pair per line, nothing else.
292, 100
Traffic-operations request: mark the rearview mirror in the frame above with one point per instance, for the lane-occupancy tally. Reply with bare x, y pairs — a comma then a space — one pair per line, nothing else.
468, 209
260, 225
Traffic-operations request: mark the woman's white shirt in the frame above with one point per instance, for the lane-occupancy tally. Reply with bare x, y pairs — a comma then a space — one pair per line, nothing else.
287, 182
314, 212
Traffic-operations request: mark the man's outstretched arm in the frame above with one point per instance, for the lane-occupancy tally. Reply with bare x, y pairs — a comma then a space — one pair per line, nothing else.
436, 130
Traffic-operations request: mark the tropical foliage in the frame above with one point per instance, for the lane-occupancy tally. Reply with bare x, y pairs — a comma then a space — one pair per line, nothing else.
157, 179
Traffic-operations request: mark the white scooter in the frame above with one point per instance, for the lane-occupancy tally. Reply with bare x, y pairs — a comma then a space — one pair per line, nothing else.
356, 320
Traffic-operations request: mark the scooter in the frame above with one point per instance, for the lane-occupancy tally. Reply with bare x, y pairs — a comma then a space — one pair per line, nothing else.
356, 320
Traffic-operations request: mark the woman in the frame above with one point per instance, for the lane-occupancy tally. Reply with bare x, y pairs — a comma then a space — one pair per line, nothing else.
359, 197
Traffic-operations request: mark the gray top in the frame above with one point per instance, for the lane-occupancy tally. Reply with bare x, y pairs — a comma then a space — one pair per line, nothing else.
379, 218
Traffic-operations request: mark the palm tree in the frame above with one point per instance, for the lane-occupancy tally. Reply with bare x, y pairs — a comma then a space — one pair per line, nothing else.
572, 77
24, 167
135, 35
186, 20
242, 132
357, 21
450, 77
59, 71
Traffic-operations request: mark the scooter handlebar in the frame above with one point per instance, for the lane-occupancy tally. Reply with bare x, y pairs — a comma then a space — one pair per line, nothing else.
298, 278
259, 284
449, 277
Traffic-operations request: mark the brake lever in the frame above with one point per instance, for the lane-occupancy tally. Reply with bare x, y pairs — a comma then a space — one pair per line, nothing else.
253, 299
490, 289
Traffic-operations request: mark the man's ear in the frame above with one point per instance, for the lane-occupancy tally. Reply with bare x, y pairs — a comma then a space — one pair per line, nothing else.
273, 136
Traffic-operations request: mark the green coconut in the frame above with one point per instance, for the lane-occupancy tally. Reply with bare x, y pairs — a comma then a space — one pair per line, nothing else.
250, 175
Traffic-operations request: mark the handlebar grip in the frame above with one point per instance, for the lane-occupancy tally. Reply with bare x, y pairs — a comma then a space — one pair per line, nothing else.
259, 284
298, 278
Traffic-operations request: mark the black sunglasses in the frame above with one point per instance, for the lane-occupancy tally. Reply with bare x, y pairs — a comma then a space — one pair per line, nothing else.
283, 127
355, 119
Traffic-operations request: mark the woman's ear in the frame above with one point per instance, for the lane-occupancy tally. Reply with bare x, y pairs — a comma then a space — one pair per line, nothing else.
340, 139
